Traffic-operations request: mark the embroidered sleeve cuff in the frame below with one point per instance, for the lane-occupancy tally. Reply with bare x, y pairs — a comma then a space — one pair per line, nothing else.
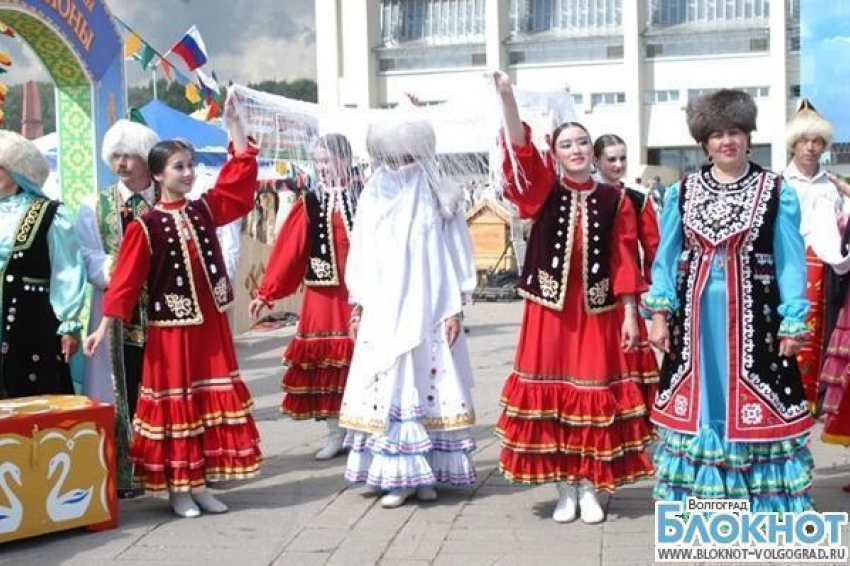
656, 305
794, 329
69, 327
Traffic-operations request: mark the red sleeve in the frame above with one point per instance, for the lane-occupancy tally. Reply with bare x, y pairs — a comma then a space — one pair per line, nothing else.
529, 188
624, 261
649, 237
289, 257
131, 272
232, 197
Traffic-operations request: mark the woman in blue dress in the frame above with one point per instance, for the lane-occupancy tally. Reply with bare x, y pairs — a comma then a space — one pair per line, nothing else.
728, 310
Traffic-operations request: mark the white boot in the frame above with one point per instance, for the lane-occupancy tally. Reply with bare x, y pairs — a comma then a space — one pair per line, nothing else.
182, 504
208, 502
591, 510
566, 508
333, 446
426, 493
396, 498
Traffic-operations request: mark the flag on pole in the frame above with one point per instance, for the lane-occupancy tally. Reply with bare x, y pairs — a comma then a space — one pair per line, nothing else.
191, 49
166, 69
147, 56
209, 86
132, 45
192, 94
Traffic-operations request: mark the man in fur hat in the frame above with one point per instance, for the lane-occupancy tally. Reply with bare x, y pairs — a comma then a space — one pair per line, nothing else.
43, 277
114, 373
808, 135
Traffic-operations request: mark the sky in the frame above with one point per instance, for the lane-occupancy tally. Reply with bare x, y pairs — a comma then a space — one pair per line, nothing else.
247, 40
825, 60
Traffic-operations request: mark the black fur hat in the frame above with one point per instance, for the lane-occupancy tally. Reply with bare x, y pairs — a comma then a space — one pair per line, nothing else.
721, 110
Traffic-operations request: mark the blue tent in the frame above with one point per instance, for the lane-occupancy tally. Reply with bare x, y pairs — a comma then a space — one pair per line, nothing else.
210, 142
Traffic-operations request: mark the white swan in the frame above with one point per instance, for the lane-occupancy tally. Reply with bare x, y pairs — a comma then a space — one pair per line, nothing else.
72, 504
12, 516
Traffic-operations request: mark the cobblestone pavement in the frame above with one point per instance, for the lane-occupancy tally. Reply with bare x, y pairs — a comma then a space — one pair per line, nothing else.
300, 512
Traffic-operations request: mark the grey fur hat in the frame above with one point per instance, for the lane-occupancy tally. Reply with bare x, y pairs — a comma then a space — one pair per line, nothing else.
20, 156
721, 110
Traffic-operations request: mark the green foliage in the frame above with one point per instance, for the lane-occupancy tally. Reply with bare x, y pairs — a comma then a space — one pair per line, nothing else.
14, 107
299, 89
137, 96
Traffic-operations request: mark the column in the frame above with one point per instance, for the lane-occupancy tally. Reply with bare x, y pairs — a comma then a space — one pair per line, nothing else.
634, 15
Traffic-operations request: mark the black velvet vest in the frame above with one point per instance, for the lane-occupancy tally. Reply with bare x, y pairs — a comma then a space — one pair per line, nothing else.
322, 269
550, 245
32, 363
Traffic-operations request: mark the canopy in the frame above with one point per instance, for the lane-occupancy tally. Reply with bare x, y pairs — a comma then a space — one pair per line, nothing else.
209, 141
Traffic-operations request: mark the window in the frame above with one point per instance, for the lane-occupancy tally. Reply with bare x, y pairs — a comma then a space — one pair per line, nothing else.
697, 92
757, 91
516, 57
794, 91
758, 44
578, 98
386, 65
570, 17
615, 51
607, 98
479, 59
671, 12
432, 21
654, 49
660, 96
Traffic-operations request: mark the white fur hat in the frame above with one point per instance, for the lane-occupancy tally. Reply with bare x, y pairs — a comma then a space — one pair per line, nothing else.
807, 122
128, 137
20, 156
401, 136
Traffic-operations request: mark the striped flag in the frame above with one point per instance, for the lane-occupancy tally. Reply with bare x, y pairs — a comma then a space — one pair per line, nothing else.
191, 49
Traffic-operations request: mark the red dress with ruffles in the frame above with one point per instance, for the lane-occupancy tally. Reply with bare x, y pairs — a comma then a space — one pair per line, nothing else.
320, 354
571, 410
641, 361
192, 420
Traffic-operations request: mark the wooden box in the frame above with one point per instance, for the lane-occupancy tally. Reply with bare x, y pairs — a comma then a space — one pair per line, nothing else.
57, 465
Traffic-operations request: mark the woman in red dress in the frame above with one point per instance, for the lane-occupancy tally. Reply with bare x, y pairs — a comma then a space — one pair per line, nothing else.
836, 367
312, 247
609, 151
192, 419
572, 414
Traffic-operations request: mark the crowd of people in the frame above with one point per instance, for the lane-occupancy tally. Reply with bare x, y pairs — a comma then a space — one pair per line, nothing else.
724, 286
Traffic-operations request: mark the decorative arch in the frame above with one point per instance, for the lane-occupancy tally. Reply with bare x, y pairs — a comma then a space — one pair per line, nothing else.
78, 44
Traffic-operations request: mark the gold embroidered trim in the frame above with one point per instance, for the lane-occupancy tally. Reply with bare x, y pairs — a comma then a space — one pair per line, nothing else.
558, 304
30, 223
378, 424
593, 301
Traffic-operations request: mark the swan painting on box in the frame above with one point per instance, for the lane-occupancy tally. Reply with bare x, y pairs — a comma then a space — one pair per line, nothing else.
11, 516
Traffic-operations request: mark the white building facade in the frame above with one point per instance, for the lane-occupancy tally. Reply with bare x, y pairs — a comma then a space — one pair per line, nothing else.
631, 65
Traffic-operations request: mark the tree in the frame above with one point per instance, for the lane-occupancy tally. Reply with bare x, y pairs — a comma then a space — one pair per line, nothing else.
299, 89
14, 107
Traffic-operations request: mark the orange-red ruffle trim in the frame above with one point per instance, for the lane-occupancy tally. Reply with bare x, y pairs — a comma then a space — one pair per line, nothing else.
322, 352
185, 438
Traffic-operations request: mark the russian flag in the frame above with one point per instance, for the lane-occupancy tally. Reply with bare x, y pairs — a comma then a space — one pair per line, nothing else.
191, 49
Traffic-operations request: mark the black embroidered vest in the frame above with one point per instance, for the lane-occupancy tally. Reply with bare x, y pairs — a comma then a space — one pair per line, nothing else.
173, 298
766, 399
550, 245
322, 269
32, 363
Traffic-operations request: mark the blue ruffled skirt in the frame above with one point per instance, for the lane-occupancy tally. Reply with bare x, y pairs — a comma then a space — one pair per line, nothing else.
775, 476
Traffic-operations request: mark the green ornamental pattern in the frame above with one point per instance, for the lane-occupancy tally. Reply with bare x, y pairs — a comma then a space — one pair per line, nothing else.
74, 104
